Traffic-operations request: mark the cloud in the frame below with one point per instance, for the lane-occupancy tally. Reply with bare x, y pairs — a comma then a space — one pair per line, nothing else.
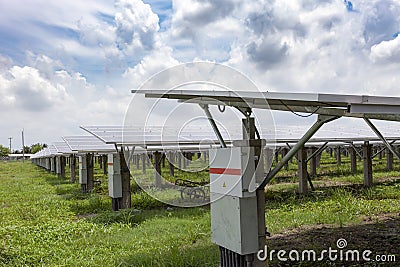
137, 26
28, 90
386, 51
153, 63
80, 59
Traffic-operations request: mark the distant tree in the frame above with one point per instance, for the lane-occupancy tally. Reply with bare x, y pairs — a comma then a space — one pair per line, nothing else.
37, 147
17, 152
27, 149
4, 151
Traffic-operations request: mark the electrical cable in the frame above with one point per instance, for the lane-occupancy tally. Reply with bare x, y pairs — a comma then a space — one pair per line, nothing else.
297, 114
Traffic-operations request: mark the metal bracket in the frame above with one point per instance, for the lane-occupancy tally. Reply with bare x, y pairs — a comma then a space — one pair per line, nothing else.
317, 152
356, 150
378, 133
213, 125
380, 150
322, 119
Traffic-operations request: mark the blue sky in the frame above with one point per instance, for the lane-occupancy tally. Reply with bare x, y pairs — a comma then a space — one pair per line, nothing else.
68, 64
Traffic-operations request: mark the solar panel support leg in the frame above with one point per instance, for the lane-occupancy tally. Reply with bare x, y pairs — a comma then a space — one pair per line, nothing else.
367, 156
389, 160
157, 168
322, 119
353, 159
302, 170
383, 139
104, 159
90, 174
72, 168
125, 202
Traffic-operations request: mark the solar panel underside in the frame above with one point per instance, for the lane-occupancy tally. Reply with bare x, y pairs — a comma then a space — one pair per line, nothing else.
157, 136
373, 107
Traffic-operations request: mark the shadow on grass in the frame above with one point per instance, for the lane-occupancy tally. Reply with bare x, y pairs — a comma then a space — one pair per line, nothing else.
379, 235
134, 216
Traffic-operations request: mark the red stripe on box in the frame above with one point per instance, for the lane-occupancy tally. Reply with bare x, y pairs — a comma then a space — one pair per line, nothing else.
225, 171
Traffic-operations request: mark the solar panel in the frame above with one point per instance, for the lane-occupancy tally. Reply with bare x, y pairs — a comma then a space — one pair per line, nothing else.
52, 150
87, 144
147, 136
373, 107
62, 148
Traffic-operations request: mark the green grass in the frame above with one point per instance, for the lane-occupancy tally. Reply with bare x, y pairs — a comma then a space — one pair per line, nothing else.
46, 221
40, 226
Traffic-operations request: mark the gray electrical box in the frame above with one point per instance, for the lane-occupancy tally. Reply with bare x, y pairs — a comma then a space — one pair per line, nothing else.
82, 170
232, 170
234, 223
114, 176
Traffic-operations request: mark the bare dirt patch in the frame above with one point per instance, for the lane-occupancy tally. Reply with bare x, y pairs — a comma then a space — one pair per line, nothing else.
380, 234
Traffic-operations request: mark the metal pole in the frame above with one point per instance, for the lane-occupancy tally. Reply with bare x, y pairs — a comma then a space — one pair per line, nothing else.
10, 138
378, 133
293, 151
23, 147
317, 152
213, 125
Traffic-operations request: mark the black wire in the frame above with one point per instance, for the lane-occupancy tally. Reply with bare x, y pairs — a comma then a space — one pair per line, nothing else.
297, 114
257, 132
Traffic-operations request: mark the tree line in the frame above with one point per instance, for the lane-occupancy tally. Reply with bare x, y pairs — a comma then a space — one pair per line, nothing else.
4, 151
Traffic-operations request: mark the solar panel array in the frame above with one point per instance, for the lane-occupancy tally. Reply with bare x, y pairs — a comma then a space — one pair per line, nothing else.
87, 144
156, 135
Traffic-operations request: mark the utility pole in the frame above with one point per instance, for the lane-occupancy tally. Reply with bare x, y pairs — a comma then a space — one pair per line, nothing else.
23, 147
10, 138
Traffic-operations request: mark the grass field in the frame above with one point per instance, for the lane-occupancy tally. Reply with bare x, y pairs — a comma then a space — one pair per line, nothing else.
46, 221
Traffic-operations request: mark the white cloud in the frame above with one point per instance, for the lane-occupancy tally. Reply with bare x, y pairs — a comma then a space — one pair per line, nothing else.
137, 26
386, 51
153, 63
28, 90
87, 55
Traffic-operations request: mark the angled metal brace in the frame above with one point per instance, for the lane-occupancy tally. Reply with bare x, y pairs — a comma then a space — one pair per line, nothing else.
378, 133
356, 150
290, 147
379, 151
213, 125
322, 119
317, 152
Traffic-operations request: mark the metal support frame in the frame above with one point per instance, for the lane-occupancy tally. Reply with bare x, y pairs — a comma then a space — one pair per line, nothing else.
318, 151
171, 162
378, 133
367, 153
302, 170
379, 152
389, 160
338, 155
90, 174
356, 150
213, 125
313, 162
125, 202
353, 159
322, 119
157, 168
